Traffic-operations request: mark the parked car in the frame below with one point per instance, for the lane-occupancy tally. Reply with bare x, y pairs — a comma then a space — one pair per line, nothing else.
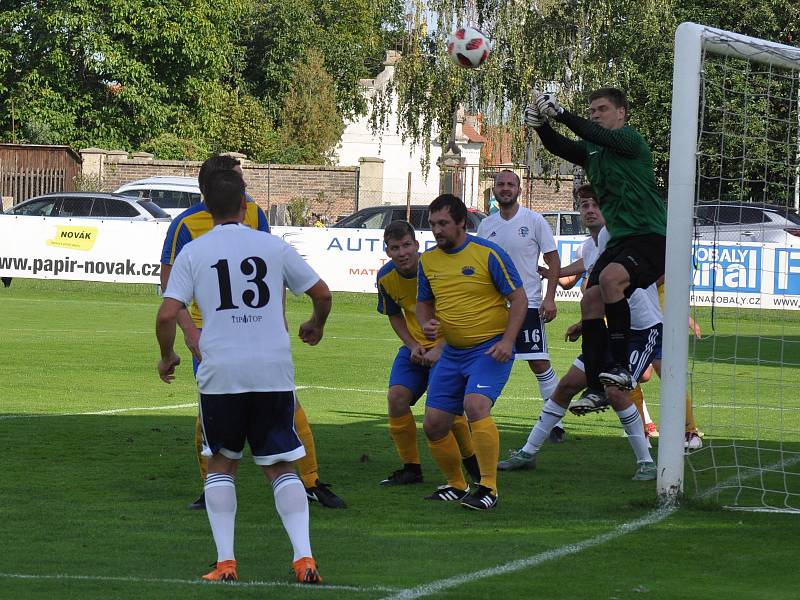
565, 222
378, 217
173, 194
747, 222
90, 205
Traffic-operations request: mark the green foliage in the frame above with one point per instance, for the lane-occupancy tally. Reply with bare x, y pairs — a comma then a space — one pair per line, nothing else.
567, 46
88, 183
299, 210
169, 146
310, 120
352, 36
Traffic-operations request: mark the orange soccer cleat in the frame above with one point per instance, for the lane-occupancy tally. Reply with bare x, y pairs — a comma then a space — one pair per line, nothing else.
224, 571
305, 570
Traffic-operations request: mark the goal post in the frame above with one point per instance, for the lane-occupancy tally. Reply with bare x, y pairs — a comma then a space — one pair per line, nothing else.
693, 43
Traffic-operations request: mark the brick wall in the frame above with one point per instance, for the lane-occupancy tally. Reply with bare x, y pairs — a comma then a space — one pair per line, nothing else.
332, 190
539, 194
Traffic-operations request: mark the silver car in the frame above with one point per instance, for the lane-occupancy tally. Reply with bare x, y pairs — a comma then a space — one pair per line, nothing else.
747, 222
90, 205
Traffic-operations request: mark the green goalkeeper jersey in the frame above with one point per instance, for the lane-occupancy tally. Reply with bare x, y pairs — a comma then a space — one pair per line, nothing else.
626, 187
619, 165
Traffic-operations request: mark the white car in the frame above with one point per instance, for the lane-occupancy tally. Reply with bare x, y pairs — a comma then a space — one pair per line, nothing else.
747, 222
89, 205
173, 194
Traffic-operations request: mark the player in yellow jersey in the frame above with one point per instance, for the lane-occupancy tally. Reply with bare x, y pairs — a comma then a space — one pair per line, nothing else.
469, 290
189, 225
397, 298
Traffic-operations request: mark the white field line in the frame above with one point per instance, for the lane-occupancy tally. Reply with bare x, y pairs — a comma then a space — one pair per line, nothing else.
237, 584
110, 411
524, 563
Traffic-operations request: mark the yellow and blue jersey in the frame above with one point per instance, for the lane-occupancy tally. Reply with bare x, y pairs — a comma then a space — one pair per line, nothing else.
469, 285
196, 221
398, 293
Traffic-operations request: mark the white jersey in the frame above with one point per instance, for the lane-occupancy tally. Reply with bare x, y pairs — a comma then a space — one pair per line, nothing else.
588, 251
524, 237
645, 310
237, 276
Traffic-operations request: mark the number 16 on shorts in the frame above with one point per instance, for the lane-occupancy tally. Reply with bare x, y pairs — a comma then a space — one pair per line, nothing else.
531, 341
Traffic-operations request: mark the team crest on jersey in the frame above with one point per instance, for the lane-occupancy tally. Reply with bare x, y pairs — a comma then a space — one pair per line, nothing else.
523, 232
468, 270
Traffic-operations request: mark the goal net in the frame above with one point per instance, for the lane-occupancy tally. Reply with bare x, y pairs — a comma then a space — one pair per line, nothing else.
733, 248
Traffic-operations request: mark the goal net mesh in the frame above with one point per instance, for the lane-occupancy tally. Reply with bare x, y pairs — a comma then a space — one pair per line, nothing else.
745, 289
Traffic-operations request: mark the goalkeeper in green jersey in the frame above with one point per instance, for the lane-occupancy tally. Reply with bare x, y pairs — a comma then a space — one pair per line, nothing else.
619, 166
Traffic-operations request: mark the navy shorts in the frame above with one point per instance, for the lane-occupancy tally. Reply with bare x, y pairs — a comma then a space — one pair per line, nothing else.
408, 374
462, 371
531, 341
264, 419
644, 346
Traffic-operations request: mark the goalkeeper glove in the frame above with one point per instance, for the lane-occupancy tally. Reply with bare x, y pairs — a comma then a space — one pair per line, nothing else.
532, 116
548, 104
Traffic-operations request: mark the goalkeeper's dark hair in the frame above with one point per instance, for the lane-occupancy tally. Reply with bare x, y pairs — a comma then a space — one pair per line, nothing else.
224, 194
397, 230
218, 162
615, 96
458, 210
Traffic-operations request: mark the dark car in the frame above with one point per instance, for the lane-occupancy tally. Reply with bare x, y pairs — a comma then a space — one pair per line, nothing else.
378, 217
90, 205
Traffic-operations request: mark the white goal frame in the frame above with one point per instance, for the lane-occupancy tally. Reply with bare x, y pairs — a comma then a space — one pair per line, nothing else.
691, 41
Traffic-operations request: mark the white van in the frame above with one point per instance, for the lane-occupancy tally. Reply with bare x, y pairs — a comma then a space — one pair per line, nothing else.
173, 194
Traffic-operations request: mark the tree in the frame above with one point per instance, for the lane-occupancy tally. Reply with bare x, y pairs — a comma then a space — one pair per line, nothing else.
310, 120
352, 36
107, 73
568, 46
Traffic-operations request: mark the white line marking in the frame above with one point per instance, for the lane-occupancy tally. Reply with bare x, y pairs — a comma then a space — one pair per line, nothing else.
340, 588
523, 563
110, 411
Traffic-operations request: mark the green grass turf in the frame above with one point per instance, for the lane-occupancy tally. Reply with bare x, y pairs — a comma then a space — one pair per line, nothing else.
103, 495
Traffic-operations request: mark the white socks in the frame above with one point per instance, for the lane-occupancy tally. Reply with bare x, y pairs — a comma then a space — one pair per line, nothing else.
549, 417
548, 382
632, 423
220, 493
292, 505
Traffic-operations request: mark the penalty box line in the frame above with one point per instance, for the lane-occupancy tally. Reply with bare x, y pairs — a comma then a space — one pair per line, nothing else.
524, 563
651, 518
155, 581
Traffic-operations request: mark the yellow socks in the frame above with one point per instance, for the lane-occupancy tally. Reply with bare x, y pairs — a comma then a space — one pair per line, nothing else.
445, 453
486, 439
404, 433
307, 466
463, 436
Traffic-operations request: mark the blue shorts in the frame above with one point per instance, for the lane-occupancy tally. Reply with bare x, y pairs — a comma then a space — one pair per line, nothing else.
264, 419
531, 341
462, 371
410, 375
644, 346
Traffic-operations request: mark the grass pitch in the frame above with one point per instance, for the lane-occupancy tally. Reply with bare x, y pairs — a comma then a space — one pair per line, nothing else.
99, 466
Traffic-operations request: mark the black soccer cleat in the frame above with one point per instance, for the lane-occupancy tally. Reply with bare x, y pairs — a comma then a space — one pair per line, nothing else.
619, 377
446, 493
481, 499
404, 476
199, 504
557, 435
322, 493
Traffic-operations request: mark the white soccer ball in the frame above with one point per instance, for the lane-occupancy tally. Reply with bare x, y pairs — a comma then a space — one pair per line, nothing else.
469, 47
